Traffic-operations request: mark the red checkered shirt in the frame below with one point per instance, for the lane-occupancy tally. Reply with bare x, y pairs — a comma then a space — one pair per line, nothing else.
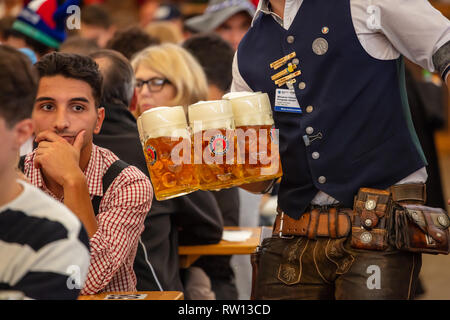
120, 220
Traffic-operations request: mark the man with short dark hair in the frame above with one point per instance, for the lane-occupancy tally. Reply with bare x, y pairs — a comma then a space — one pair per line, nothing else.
79, 45
130, 41
96, 24
110, 197
215, 55
119, 130
42, 243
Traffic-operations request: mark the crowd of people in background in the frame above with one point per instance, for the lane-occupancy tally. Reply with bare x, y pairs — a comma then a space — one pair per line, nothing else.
68, 128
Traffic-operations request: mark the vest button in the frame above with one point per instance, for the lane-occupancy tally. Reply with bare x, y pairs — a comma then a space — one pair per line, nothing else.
309, 109
302, 85
295, 61
290, 39
309, 130
315, 155
322, 179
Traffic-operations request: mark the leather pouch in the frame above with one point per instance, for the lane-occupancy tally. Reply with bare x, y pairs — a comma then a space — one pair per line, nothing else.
372, 211
422, 229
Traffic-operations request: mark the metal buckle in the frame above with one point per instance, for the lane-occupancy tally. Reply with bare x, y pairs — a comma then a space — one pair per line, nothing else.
280, 234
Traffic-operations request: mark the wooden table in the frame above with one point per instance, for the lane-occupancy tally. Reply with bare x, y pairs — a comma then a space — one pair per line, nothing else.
189, 254
140, 295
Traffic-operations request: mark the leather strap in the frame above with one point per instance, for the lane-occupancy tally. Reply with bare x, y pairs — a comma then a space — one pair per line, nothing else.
113, 171
317, 224
411, 192
311, 231
333, 222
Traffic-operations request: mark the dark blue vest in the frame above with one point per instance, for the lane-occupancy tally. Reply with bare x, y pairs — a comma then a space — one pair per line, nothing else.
359, 107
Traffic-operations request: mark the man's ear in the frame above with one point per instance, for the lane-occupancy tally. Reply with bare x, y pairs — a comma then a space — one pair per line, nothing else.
133, 104
100, 118
23, 130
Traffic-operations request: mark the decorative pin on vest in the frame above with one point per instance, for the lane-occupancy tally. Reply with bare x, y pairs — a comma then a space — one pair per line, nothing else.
280, 62
290, 68
320, 46
283, 80
288, 74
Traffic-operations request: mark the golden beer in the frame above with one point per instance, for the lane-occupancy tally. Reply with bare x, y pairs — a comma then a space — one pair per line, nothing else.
168, 152
260, 153
215, 149
169, 178
257, 138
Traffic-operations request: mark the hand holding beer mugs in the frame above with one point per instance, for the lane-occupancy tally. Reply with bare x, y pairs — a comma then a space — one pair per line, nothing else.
228, 142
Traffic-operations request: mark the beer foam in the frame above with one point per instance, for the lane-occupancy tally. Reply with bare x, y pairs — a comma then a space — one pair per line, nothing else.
214, 114
250, 108
164, 122
238, 94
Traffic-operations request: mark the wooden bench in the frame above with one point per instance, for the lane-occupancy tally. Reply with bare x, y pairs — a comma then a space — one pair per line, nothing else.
140, 295
189, 254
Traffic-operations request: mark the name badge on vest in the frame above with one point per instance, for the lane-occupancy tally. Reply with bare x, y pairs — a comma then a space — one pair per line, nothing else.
286, 101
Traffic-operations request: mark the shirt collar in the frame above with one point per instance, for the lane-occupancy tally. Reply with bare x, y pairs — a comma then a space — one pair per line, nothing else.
263, 5
263, 8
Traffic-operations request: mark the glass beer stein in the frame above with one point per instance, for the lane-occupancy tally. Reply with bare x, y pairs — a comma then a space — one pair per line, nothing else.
140, 130
215, 155
257, 138
167, 148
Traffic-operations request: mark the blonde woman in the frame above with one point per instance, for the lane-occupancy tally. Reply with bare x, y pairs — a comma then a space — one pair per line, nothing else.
167, 75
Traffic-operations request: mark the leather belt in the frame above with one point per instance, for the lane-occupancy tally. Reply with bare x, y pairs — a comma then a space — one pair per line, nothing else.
323, 221
335, 222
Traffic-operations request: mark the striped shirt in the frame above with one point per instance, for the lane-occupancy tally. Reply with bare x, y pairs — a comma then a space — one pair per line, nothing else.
120, 220
44, 248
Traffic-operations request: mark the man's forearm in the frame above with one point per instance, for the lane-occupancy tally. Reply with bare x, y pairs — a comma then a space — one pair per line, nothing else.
77, 199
